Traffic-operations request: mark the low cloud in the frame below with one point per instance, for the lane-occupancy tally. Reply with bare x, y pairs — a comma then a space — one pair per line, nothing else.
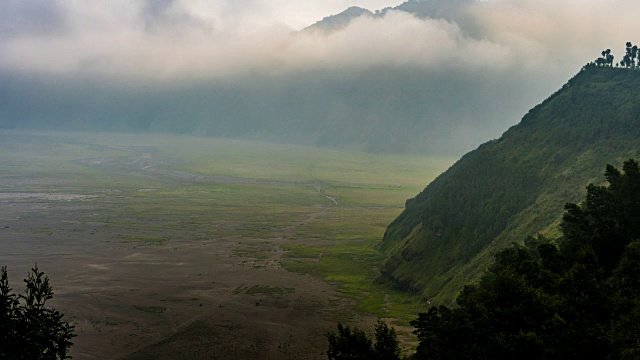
227, 66
171, 39
31, 17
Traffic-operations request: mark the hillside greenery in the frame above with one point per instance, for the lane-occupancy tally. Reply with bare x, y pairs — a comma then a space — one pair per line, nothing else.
573, 297
513, 186
540, 300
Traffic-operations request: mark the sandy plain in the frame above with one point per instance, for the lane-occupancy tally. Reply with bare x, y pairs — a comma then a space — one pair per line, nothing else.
147, 270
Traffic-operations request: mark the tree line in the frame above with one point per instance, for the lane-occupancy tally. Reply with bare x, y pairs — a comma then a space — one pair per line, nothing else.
630, 60
575, 297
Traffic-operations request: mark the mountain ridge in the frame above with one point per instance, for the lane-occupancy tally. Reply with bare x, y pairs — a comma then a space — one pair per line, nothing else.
513, 186
339, 21
434, 9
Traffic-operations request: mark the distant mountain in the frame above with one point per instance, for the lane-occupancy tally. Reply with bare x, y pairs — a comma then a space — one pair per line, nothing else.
452, 10
514, 186
443, 9
345, 100
339, 21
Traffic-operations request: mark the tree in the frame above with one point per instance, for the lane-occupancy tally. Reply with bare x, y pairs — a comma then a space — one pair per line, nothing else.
631, 54
29, 329
386, 346
606, 59
626, 279
353, 343
608, 219
538, 300
8, 311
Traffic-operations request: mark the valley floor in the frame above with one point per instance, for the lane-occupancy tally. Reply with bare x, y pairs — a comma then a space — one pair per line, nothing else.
186, 248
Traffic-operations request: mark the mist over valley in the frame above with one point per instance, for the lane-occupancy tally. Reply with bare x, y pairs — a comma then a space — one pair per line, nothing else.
423, 76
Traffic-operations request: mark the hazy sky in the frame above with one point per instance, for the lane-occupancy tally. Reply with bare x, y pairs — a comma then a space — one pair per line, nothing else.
158, 37
512, 53
183, 38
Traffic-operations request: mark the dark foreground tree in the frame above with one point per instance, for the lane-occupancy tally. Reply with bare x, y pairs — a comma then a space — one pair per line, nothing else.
578, 300
29, 329
386, 346
353, 343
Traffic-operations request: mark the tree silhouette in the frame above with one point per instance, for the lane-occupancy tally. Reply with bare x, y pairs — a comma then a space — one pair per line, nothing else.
353, 343
28, 328
630, 56
386, 345
606, 59
349, 343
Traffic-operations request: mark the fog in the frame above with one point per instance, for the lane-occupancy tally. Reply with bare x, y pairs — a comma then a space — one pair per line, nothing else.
438, 84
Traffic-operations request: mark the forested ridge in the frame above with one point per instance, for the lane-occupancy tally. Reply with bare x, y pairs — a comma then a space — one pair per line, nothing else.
575, 297
513, 186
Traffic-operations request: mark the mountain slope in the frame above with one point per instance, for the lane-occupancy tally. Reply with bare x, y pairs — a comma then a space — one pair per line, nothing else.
339, 21
451, 10
513, 186
436, 9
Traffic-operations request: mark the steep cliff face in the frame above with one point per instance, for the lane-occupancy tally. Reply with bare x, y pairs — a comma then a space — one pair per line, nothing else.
514, 186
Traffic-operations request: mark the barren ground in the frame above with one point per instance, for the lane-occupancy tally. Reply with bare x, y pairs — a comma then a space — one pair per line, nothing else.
190, 296
146, 270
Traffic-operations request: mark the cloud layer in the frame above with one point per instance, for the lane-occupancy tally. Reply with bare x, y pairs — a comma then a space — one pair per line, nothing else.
183, 39
236, 68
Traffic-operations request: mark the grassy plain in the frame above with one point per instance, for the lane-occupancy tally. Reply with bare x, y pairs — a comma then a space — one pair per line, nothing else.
177, 224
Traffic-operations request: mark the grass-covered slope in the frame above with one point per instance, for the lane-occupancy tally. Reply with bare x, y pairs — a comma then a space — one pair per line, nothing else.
514, 186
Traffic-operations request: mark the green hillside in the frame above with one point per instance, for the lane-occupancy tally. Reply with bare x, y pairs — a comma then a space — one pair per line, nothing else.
514, 186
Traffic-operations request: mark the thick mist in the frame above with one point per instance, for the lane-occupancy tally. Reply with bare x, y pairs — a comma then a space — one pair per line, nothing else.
396, 82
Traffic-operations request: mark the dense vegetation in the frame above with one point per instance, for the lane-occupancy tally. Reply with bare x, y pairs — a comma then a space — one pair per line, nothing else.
540, 300
513, 186
574, 297
28, 328
354, 343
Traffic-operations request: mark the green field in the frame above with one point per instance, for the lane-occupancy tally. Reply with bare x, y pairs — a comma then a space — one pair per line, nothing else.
325, 209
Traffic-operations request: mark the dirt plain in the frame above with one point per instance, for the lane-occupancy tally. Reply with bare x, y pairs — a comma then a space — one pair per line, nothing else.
192, 299
137, 289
